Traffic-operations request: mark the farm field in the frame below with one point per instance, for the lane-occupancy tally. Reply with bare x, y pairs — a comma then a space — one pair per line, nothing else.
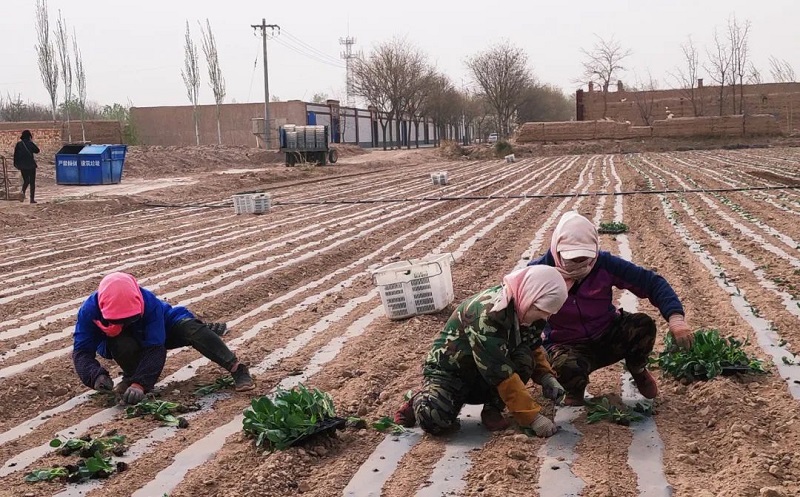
295, 287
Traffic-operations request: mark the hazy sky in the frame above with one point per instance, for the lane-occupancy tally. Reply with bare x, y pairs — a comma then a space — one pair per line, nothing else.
134, 50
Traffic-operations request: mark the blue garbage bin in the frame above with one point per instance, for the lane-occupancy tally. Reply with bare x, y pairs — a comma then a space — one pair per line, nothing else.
94, 163
117, 161
67, 165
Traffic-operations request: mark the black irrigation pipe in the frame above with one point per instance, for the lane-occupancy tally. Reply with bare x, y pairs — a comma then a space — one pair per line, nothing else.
490, 197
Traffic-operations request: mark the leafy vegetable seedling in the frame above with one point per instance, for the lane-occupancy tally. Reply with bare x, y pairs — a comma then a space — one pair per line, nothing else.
221, 383
387, 423
613, 228
161, 410
602, 409
289, 416
709, 356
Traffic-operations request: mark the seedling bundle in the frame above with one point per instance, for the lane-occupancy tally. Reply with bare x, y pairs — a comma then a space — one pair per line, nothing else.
711, 355
612, 228
290, 417
95, 462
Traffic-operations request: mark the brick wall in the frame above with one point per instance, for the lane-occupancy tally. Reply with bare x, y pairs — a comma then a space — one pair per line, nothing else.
781, 100
48, 140
50, 137
174, 125
681, 127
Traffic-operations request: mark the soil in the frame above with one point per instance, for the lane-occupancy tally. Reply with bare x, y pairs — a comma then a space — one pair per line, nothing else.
297, 280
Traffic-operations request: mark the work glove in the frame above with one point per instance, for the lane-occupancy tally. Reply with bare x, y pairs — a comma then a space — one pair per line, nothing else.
543, 427
681, 332
552, 389
103, 382
134, 394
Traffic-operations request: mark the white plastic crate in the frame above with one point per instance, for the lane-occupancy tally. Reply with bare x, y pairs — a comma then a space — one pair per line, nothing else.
439, 178
416, 286
251, 203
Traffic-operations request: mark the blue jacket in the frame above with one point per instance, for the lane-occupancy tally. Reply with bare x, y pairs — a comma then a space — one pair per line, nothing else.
589, 309
151, 332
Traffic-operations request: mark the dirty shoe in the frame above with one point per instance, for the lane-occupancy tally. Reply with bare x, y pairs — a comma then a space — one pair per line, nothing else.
646, 384
574, 398
405, 415
241, 379
492, 418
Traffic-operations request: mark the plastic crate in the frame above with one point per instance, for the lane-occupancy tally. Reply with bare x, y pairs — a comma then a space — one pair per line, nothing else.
416, 286
251, 203
439, 178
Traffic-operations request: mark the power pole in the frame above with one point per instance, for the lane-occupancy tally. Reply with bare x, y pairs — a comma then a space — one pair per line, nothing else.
348, 55
263, 27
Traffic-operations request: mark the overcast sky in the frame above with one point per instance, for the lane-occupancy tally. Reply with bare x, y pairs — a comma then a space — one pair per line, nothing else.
134, 49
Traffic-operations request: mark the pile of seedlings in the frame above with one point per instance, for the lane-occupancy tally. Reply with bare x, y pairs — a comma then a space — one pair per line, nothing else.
221, 383
290, 417
95, 459
612, 228
161, 410
711, 355
603, 410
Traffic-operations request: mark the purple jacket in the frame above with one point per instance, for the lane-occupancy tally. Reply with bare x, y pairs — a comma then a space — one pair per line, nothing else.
589, 309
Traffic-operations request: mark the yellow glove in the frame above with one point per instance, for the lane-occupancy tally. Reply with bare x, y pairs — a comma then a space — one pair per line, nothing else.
518, 400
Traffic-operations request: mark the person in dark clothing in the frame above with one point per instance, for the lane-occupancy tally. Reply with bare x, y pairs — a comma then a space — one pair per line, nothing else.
589, 333
26, 163
129, 324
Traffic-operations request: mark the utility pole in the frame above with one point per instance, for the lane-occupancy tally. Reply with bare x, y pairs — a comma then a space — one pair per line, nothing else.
263, 27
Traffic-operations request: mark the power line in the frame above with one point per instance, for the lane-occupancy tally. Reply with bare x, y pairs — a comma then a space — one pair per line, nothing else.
300, 50
310, 48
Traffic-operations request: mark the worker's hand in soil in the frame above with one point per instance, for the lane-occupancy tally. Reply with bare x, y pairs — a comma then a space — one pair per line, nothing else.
134, 394
552, 389
543, 427
103, 382
680, 331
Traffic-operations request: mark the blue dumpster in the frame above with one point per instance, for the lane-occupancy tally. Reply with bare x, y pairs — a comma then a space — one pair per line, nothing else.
117, 161
67, 169
94, 164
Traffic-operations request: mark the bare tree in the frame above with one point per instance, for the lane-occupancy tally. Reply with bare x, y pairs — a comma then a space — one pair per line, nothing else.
444, 106
215, 79
544, 103
720, 68
687, 77
80, 81
644, 98
46, 54
738, 37
319, 98
502, 73
602, 63
417, 101
368, 83
753, 75
781, 71
62, 43
191, 77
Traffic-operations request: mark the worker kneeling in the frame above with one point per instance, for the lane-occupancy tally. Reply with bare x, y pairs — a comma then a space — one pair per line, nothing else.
129, 324
489, 349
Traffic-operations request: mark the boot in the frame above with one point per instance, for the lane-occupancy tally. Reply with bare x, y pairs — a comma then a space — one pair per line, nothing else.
645, 383
242, 380
574, 398
493, 419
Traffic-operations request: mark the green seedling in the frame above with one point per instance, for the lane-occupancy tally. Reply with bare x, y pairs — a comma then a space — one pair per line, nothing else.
387, 423
601, 409
279, 421
220, 383
710, 355
161, 410
613, 228
45, 474
88, 447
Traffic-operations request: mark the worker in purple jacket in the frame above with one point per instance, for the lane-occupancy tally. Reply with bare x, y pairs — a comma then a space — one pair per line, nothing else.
129, 324
588, 332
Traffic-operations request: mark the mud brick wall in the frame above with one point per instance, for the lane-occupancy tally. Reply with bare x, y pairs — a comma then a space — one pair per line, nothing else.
781, 100
48, 139
679, 127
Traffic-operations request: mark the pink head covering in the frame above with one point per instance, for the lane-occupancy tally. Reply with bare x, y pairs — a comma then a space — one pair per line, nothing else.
540, 286
574, 236
119, 296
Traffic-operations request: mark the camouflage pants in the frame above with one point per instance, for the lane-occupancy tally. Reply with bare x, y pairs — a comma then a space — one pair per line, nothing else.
437, 405
630, 337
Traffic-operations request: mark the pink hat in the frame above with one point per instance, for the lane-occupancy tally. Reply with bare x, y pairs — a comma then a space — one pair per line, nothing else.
119, 297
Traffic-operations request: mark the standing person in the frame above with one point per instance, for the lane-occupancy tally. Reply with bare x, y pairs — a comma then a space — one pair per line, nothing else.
26, 163
486, 354
129, 324
589, 333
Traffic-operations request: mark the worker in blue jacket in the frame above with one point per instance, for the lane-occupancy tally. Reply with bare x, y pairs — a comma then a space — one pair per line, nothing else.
129, 324
588, 332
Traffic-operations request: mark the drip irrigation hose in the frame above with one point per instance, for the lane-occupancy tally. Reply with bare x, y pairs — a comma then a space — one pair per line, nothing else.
523, 196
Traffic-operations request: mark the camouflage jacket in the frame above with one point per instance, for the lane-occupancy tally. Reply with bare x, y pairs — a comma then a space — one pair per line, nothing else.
476, 343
